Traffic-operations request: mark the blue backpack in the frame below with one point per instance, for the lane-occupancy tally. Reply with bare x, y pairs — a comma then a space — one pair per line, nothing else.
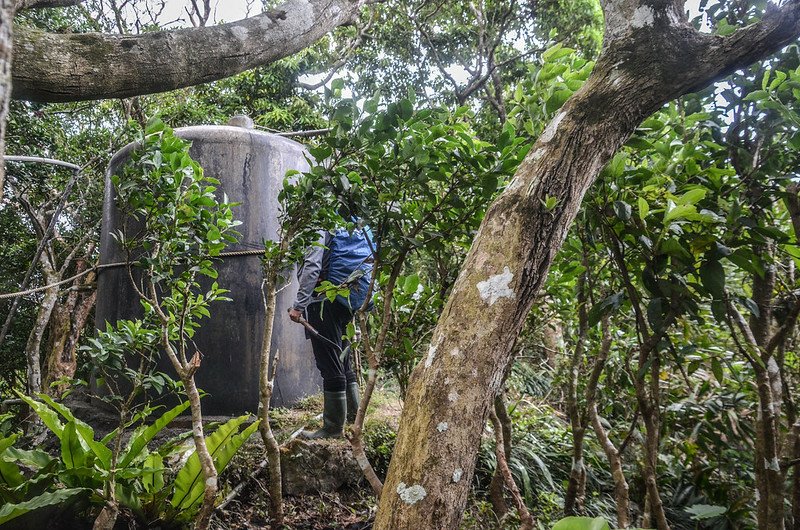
350, 260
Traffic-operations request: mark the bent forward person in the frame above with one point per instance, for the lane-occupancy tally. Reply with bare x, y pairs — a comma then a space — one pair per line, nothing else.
345, 259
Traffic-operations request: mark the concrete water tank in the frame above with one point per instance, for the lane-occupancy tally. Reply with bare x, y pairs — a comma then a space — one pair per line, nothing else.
251, 166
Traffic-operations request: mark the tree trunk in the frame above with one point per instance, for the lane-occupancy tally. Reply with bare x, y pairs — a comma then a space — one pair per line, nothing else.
67, 324
206, 462
266, 383
796, 477
64, 66
496, 487
650, 56
621, 496
356, 431
502, 464
576, 486
33, 347
6, 53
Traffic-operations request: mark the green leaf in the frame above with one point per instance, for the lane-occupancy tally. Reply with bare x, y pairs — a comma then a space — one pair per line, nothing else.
680, 211
86, 433
11, 511
719, 311
10, 474
622, 210
605, 307
712, 274
73, 453
692, 196
757, 95
139, 440
581, 523
411, 284
700, 512
48, 416
153, 473
222, 445
556, 52
644, 208
557, 100
716, 368
747, 261
35, 458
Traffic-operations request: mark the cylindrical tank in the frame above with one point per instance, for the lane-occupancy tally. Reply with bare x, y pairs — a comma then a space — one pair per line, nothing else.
251, 166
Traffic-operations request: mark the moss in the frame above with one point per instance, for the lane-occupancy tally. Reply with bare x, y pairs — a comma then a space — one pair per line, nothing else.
94, 48
379, 441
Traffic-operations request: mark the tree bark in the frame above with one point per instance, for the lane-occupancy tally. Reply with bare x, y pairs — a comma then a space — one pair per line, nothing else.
67, 324
6, 53
525, 517
266, 384
650, 56
354, 436
33, 348
576, 486
42, 4
206, 461
796, 476
496, 487
615, 463
57, 67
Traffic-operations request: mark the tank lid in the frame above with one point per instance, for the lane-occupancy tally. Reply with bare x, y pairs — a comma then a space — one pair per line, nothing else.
241, 120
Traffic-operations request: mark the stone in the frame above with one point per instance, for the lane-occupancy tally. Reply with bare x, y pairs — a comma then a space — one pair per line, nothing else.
318, 466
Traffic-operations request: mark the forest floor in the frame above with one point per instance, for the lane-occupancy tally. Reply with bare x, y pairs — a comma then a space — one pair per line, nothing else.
351, 506
323, 486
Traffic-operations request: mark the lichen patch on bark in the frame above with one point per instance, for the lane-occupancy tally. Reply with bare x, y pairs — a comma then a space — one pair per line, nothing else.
643, 16
411, 494
496, 287
550, 130
432, 352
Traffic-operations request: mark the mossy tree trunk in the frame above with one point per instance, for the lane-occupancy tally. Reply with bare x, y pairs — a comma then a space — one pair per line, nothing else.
650, 56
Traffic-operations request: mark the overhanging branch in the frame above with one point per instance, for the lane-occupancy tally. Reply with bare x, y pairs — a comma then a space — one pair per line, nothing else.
42, 4
81, 66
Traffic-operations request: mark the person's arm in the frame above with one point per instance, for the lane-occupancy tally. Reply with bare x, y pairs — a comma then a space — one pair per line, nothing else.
309, 272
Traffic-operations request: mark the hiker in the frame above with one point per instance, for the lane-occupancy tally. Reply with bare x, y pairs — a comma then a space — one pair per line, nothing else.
344, 259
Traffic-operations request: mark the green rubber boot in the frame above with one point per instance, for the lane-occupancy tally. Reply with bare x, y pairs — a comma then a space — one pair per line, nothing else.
334, 411
353, 399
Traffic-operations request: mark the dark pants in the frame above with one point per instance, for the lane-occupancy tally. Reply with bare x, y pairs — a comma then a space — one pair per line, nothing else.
331, 323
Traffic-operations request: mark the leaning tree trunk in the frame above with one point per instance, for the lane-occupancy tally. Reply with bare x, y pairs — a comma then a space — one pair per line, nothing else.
650, 56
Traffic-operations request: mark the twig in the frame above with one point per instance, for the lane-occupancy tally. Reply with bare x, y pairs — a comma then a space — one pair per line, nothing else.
240, 486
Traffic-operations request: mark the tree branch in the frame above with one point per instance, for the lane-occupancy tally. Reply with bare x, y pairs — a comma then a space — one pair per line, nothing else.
66, 67
42, 4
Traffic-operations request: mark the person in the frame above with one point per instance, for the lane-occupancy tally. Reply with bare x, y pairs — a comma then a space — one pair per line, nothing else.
341, 257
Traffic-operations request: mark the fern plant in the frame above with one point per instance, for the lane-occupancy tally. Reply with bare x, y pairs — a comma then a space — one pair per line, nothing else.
85, 465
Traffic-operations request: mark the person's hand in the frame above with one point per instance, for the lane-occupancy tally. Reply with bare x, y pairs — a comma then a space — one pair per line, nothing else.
295, 314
